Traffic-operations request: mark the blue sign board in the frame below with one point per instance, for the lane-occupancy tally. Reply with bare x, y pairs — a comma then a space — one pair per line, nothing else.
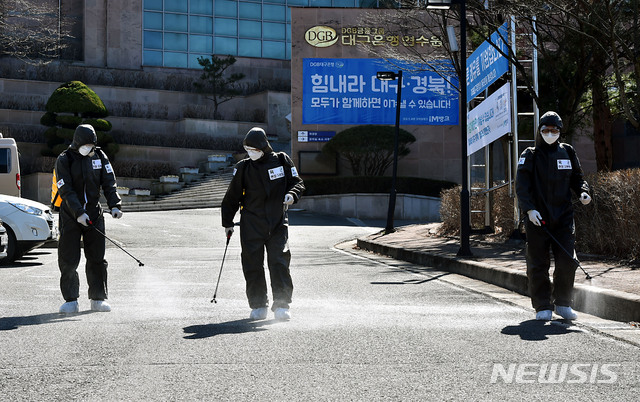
346, 91
315, 136
486, 64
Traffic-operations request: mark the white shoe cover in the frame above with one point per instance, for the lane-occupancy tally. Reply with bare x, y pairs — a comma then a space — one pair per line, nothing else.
259, 313
544, 315
100, 305
566, 312
70, 307
282, 314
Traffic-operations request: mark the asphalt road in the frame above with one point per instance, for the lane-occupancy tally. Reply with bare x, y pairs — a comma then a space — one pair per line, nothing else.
364, 328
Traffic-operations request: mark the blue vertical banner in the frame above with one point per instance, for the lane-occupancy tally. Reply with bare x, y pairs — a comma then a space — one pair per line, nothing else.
486, 64
346, 91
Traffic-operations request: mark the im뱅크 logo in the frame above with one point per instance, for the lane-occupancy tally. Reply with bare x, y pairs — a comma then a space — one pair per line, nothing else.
321, 36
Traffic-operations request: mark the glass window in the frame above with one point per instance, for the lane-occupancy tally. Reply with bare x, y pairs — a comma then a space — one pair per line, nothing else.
271, 30
179, 6
226, 8
174, 41
152, 58
193, 59
175, 22
288, 14
153, 20
298, 2
273, 12
249, 48
273, 50
250, 29
343, 3
276, 1
319, 3
250, 11
226, 46
172, 59
152, 40
153, 5
288, 56
226, 26
201, 44
5, 160
288, 30
202, 7
202, 25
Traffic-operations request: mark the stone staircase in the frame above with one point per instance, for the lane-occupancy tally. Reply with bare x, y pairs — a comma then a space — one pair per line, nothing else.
206, 192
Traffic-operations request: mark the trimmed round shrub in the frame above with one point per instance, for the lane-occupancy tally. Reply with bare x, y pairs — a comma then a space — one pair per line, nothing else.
48, 119
77, 98
99, 124
68, 121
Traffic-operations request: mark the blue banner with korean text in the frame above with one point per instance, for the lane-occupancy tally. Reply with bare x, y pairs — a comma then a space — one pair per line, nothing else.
346, 91
486, 64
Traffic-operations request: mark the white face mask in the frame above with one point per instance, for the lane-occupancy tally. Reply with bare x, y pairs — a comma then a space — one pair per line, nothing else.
86, 149
254, 154
549, 135
550, 138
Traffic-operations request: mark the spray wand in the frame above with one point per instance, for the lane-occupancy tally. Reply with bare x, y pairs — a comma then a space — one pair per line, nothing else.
140, 264
546, 230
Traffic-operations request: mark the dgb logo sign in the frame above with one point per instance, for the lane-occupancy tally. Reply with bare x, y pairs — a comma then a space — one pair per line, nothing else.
321, 36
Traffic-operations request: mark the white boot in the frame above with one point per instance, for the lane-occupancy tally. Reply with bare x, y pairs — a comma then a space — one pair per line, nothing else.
100, 305
566, 312
544, 315
70, 307
282, 314
258, 313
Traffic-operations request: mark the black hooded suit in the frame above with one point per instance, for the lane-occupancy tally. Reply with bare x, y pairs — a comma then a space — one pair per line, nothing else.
545, 178
80, 179
259, 188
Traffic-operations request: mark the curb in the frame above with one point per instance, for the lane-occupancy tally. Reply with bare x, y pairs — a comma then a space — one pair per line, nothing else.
603, 303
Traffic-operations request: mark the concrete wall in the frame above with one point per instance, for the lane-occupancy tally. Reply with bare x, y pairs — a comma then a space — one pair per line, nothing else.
276, 105
373, 206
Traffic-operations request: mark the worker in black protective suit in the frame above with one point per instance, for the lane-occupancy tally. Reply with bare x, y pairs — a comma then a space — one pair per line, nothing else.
546, 175
82, 170
264, 185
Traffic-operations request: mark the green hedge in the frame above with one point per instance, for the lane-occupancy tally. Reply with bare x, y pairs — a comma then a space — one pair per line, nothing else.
375, 184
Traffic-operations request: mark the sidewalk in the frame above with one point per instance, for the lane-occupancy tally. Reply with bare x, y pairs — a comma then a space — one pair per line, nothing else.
613, 293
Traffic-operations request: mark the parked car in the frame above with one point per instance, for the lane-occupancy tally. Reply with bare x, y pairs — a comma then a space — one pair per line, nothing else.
9, 167
29, 224
3, 242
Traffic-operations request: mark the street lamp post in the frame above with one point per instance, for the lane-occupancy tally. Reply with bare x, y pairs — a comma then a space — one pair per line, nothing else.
465, 221
389, 76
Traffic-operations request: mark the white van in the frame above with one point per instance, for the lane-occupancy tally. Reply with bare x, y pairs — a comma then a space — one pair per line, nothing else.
9, 167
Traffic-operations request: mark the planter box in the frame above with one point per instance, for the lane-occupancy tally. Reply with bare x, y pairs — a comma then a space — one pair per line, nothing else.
140, 191
217, 158
169, 179
189, 170
122, 190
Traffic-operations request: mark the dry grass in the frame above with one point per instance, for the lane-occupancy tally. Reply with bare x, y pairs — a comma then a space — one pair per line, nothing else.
501, 212
608, 226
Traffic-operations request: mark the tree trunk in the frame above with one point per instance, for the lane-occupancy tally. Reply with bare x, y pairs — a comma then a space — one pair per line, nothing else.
602, 126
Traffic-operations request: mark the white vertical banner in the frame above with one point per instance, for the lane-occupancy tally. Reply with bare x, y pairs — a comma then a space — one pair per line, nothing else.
489, 120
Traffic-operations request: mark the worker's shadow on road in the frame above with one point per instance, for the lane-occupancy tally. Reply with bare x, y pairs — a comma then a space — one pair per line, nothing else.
225, 328
534, 330
10, 323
